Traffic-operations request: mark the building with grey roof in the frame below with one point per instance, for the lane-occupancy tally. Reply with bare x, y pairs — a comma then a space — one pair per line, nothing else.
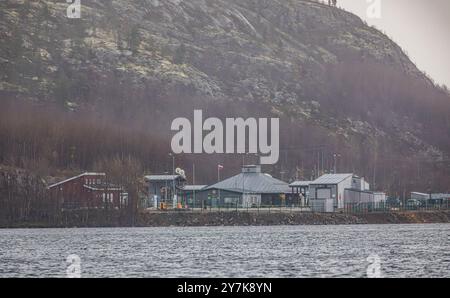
250, 188
332, 187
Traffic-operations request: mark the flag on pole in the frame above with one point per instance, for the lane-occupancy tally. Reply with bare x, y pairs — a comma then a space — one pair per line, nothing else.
220, 167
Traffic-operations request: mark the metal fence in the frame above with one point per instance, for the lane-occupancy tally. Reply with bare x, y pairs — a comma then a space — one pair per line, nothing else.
403, 207
256, 209
353, 208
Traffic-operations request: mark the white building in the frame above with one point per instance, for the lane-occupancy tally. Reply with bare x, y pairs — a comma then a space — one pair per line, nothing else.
353, 196
332, 187
334, 191
358, 183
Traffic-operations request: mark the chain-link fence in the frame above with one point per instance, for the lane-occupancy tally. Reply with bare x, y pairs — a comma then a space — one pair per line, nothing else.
255, 208
351, 208
410, 205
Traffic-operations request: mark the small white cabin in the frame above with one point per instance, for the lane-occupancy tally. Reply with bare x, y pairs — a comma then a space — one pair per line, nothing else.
331, 186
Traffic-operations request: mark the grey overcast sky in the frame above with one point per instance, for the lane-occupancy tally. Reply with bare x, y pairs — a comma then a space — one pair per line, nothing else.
420, 27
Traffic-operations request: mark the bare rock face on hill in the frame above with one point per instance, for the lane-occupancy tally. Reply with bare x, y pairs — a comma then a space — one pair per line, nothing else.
335, 81
251, 48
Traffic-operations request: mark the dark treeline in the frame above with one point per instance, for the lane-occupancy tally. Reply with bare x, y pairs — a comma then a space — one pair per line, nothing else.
23, 198
51, 140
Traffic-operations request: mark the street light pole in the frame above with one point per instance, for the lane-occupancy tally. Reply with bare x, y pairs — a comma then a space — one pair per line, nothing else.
335, 161
173, 180
166, 192
218, 180
193, 183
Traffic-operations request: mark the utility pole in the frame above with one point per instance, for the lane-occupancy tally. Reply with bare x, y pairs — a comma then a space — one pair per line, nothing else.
166, 192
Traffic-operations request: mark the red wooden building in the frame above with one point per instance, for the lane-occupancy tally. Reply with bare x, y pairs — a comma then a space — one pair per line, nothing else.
88, 191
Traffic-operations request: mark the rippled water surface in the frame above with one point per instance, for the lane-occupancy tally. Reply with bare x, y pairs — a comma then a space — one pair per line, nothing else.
282, 251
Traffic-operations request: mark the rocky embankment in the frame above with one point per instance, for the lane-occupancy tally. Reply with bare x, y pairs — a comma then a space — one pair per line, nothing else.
96, 218
281, 218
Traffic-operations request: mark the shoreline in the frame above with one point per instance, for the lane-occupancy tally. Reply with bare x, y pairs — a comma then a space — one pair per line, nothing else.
96, 219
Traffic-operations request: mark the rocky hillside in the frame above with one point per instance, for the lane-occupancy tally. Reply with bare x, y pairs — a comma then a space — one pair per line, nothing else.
252, 49
337, 83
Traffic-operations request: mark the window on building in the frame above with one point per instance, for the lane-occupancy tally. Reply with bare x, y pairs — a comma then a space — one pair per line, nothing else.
123, 199
108, 198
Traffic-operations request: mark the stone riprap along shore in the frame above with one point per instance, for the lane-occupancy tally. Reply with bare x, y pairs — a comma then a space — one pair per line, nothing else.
98, 218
